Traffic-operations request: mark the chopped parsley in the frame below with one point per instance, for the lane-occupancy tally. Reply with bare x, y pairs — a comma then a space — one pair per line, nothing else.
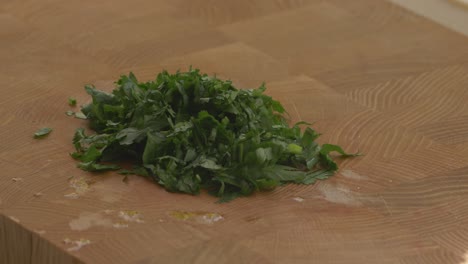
189, 131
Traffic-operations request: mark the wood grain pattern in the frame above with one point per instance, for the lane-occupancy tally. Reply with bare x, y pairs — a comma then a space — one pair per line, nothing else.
373, 76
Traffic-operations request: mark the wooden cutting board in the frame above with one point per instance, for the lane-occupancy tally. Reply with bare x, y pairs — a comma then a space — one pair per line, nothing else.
374, 78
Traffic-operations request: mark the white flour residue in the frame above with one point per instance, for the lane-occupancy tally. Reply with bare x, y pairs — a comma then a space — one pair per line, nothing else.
87, 220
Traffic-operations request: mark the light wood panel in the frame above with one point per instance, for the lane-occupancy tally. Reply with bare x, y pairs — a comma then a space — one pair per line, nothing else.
373, 76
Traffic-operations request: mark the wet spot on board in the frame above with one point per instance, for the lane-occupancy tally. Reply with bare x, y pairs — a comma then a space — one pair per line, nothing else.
338, 194
197, 217
111, 197
120, 225
109, 211
352, 175
87, 220
109, 190
113, 189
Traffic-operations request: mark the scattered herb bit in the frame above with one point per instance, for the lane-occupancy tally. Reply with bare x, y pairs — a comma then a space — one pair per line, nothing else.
134, 171
76, 244
120, 225
125, 178
80, 115
71, 101
69, 113
188, 131
131, 216
42, 132
126, 172
72, 196
298, 199
199, 217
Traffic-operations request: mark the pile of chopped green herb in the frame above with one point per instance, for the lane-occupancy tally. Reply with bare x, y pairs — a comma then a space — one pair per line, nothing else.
189, 131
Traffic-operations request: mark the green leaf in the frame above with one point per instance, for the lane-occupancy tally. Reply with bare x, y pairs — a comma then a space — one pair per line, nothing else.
267, 184
227, 196
42, 132
285, 174
210, 164
294, 148
151, 150
137, 170
327, 148
91, 154
126, 172
264, 155
69, 113
327, 161
311, 177
71, 101
92, 166
130, 135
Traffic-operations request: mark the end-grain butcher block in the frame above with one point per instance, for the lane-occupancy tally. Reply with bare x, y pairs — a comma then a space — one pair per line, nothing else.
370, 76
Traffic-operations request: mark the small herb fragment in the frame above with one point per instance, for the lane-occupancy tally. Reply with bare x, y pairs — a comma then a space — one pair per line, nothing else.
71, 101
80, 115
188, 131
42, 132
69, 113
